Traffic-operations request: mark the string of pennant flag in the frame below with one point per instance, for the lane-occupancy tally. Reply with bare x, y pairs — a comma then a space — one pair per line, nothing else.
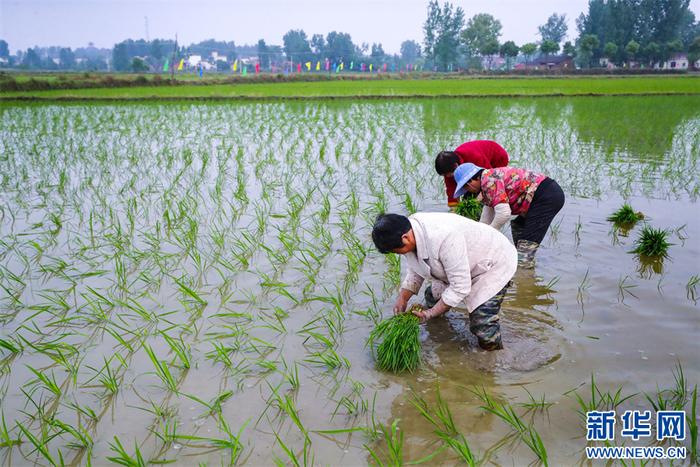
309, 66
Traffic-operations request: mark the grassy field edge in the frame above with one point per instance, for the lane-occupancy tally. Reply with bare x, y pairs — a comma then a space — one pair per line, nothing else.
384, 89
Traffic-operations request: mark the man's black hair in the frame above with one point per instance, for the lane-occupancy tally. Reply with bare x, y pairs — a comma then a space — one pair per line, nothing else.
387, 231
477, 175
445, 162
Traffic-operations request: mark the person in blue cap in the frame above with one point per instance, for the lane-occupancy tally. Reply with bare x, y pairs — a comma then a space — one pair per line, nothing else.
505, 191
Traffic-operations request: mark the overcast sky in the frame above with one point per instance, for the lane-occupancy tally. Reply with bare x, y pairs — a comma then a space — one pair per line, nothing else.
74, 23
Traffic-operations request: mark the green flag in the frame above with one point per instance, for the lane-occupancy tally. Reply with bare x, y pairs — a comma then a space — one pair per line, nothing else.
165, 65
244, 70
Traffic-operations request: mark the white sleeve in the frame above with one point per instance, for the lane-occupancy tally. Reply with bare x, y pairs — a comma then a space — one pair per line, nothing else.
486, 215
412, 282
502, 215
453, 256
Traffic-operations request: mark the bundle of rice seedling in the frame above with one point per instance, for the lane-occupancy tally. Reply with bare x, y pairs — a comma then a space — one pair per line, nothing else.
469, 207
399, 346
652, 243
625, 216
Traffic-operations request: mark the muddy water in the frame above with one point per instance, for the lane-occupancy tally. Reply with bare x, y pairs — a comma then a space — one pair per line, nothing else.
140, 180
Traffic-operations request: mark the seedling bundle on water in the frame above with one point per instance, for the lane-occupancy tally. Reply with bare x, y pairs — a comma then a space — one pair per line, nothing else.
652, 243
399, 347
625, 216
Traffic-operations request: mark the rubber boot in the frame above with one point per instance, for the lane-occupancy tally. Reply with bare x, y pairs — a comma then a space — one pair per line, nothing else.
526, 253
430, 301
516, 229
484, 322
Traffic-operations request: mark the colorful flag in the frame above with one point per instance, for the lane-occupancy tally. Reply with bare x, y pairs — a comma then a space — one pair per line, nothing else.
244, 70
385, 67
318, 66
362, 67
181, 64
235, 65
257, 68
342, 66
352, 64
165, 65
328, 65
308, 66
370, 67
298, 67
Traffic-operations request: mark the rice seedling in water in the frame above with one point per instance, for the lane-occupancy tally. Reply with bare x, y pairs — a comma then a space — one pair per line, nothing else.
690, 291
441, 419
469, 207
625, 216
399, 347
394, 446
652, 243
505, 412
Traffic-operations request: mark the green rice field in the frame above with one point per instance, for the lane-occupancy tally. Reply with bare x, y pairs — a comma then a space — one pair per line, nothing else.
195, 283
465, 87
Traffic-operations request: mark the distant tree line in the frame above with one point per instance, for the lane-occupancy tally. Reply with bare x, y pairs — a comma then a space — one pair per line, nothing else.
625, 32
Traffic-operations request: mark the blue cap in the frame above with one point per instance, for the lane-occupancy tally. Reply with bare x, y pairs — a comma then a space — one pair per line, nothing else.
462, 175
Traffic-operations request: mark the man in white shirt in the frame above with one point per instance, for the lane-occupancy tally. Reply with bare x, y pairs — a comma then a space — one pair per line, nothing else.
469, 264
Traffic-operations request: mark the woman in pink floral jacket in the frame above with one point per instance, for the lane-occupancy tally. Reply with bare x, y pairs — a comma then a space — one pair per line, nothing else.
504, 191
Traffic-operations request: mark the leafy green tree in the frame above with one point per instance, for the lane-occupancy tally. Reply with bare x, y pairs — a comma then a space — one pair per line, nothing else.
441, 29
66, 58
410, 51
528, 50
120, 57
339, 46
644, 21
587, 47
377, 51
569, 49
31, 59
670, 48
610, 50
296, 46
549, 47
318, 44
509, 51
554, 29
263, 54
694, 51
4, 49
652, 53
138, 65
156, 49
690, 29
631, 49
481, 34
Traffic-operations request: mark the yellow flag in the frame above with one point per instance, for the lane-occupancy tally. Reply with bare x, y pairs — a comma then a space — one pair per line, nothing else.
318, 66
181, 64
308, 66
370, 68
342, 65
235, 65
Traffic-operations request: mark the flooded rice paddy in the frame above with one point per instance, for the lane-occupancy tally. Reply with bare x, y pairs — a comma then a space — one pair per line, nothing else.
195, 283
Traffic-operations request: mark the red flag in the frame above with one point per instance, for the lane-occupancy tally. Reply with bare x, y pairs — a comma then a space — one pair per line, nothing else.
298, 67
257, 68
385, 67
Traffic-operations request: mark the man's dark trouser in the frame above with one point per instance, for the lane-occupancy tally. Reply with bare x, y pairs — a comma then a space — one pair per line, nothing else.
484, 321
